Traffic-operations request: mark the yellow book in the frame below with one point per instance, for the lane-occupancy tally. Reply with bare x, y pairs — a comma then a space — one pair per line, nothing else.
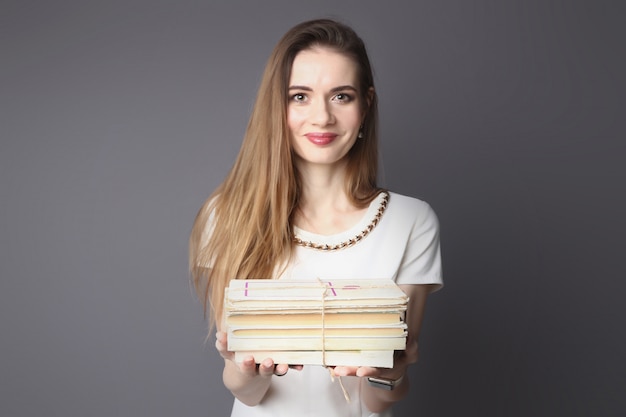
355, 331
313, 319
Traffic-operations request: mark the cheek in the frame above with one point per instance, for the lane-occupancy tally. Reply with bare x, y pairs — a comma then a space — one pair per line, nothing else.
295, 119
351, 115
291, 119
354, 119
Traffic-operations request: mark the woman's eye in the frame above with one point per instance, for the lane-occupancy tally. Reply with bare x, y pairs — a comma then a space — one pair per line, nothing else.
343, 97
298, 97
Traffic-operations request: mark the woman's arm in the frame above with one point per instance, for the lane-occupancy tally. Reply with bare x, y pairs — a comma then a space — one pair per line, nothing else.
247, 381
377, 399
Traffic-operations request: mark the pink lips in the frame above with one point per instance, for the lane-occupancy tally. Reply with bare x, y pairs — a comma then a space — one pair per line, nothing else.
321, 138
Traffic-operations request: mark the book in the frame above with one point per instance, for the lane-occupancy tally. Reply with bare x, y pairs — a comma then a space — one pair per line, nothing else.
316, 343
336, 318
259, 294
374, 358
340, 322
355, 331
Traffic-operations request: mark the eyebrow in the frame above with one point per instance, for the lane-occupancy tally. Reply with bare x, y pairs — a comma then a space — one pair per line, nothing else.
332, 90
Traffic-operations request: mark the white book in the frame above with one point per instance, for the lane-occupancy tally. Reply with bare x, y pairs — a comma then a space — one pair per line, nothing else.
263, 294
316, 343
374, 358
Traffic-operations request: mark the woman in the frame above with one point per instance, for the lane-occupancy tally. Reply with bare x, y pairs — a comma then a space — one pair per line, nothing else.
301, 202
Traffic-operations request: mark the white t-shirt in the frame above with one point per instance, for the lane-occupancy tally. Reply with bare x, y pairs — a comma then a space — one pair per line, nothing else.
404, 246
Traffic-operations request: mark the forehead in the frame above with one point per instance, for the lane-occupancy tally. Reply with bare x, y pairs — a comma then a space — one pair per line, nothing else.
323, 67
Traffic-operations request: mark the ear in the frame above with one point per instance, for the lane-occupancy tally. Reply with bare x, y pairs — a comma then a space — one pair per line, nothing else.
369, 96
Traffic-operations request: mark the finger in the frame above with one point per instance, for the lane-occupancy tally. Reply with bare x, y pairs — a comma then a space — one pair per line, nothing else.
248, 366
266, 368
345, 370
221, 345
367, 371
280, 370
220, 342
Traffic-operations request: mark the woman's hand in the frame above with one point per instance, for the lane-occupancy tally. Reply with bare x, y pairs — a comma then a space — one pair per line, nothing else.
248, 366
221, 344
246, 380
402, 360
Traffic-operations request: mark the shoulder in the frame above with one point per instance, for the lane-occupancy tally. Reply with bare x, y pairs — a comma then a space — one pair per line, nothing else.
407, 201
411, 208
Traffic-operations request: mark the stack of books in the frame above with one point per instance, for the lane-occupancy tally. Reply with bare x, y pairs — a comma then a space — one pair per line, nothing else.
339, 322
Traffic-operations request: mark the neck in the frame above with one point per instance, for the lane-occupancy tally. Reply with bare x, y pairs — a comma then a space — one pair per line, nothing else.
322, 185
324, 206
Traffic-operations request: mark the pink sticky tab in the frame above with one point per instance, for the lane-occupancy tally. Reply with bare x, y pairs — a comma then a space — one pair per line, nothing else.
351, 287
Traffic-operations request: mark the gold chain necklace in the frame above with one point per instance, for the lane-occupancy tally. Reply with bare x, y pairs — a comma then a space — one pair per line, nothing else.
350, 242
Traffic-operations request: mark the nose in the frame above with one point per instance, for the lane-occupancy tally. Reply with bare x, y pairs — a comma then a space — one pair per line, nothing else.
321, 114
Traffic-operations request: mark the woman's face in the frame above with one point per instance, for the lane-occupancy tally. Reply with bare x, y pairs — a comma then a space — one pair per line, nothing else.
324, 107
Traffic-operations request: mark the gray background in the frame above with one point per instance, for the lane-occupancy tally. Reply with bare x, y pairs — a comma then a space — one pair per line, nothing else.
118, 118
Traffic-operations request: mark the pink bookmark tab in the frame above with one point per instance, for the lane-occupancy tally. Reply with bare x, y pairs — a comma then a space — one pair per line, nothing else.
330, 284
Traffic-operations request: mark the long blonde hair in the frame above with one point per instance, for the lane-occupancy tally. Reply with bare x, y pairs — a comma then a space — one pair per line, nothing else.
244, 229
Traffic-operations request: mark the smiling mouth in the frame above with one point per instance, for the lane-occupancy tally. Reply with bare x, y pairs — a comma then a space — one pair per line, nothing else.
321, 138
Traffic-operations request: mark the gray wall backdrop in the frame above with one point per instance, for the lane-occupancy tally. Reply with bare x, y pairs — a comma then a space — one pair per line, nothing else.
118, 118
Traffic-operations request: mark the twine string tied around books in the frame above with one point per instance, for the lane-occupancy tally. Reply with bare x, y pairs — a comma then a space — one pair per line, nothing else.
326, 288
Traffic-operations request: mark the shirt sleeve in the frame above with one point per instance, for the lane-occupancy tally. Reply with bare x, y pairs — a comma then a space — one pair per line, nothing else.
421, 262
